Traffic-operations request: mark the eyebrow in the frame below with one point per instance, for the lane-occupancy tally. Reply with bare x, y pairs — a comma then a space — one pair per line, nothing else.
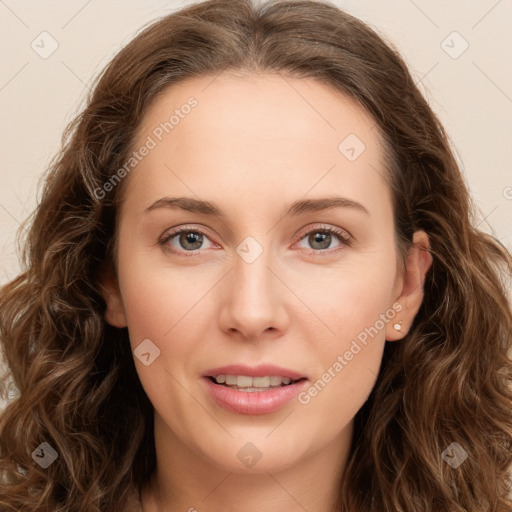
299, 207
296, 208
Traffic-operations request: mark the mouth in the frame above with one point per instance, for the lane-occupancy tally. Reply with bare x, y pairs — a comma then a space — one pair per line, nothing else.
253, 389
262, 393
250, 384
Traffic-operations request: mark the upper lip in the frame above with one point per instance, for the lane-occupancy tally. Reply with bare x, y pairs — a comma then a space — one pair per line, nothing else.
262, 370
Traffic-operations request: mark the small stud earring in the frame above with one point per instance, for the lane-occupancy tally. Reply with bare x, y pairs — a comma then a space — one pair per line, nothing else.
398, 326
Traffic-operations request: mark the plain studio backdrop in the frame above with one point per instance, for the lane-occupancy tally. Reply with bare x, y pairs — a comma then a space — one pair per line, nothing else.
458, 52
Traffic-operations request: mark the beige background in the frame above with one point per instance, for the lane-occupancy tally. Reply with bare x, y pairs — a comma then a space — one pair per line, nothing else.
472, 93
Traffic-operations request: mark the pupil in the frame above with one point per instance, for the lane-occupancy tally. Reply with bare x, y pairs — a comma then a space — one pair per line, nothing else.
323, 239
193, 238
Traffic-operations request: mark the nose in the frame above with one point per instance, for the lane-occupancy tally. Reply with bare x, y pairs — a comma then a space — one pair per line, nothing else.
252, 300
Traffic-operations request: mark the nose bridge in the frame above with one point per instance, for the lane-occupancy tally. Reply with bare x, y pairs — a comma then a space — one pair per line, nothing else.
252, 276
253, 304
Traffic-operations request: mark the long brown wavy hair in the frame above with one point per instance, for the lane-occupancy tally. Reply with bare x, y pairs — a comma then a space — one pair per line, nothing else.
448, 380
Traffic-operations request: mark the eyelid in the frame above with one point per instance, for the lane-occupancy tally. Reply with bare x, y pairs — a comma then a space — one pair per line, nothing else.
343, 233
343, 236
171, 233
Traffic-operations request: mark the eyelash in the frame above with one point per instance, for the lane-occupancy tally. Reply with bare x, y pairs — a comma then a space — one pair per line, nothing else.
344, 238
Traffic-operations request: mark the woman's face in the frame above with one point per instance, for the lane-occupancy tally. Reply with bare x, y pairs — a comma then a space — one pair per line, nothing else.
253, 281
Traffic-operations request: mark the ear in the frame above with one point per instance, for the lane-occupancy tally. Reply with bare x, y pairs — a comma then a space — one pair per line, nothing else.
109, 286
417, 263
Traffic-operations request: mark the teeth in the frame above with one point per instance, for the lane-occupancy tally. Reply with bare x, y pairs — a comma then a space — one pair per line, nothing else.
260, 382
275, 381
244, 381
230, 380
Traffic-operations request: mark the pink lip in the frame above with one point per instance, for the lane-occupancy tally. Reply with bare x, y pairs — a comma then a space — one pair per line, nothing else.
261, 370
257, 402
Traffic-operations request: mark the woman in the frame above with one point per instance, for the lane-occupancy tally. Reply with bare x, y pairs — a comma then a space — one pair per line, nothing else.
254, 200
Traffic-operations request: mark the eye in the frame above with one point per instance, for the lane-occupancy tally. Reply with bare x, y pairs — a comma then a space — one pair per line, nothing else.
186, 240
320, 239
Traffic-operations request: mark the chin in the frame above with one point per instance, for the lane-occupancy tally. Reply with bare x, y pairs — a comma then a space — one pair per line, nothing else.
252, 457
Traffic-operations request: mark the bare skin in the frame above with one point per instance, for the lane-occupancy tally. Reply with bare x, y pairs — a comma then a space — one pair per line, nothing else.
252, 146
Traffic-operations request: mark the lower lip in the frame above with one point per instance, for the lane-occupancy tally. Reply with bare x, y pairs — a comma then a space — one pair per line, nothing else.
253, 402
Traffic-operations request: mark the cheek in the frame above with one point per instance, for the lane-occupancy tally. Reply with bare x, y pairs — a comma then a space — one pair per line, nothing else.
354, 299
347, 365
165, 307
171, 307
158, 298
357, 310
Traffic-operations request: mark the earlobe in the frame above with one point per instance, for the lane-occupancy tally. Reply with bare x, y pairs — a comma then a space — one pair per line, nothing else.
417, 264
109, 286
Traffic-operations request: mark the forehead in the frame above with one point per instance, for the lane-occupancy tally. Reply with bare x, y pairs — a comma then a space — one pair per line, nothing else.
256, 133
